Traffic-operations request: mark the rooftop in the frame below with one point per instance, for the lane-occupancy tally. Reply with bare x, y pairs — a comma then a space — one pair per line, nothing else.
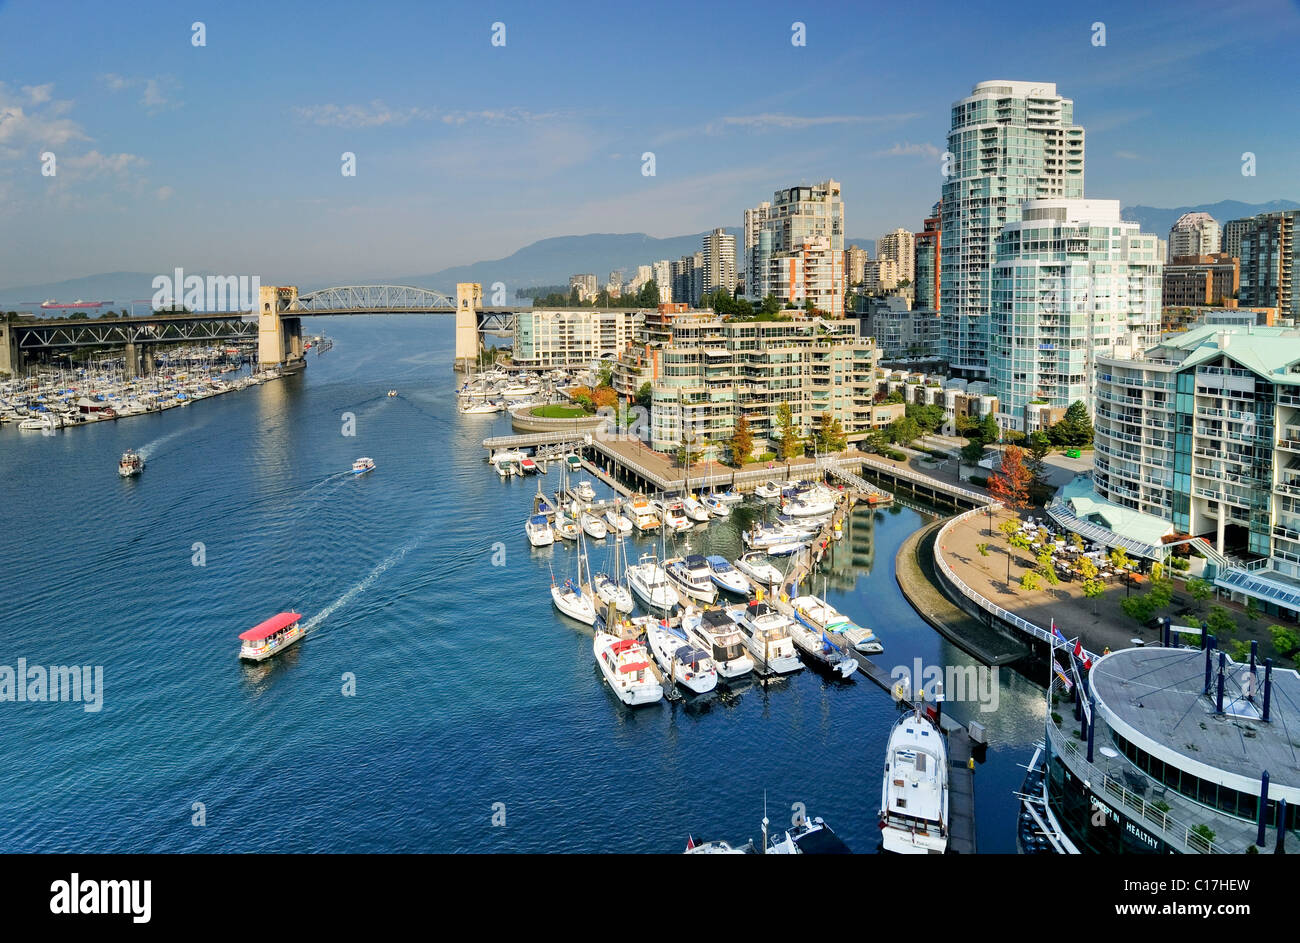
1153, 697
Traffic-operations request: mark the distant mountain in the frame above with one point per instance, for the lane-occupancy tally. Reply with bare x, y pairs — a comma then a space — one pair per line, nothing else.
545, 262
1159, 221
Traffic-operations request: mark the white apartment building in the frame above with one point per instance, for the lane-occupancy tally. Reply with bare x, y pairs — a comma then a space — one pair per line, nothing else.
1071, 282
899, 247
577, 338
719, 250
663, 276
1009, 142
1193, 234
795, 219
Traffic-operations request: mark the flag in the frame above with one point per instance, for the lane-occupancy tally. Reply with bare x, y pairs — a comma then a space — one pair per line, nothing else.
1060, 673
1078, 648
1087, 664
1056, 634
690, 842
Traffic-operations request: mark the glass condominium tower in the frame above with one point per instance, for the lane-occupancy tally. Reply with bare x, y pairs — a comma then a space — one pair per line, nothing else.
1010, 142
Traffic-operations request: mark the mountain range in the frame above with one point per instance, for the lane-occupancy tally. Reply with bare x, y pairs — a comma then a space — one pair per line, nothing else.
548, 261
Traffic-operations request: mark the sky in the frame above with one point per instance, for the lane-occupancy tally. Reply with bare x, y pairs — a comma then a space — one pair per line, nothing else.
227, 157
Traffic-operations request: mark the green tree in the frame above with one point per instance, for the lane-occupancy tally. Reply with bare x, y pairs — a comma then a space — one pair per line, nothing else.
606, 375
1074, 428
1029, 582
1221, 623
1138, 608
788, 437
644, 396
742, 441
771, 305
988, 429
1200, 590
830, 434
876, 440
1252, 609
1286, 640
972, 452
929, 417
904, 431
648, 297
1119, 558
1093, 589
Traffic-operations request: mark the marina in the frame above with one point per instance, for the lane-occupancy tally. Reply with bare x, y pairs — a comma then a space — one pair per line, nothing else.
346, 576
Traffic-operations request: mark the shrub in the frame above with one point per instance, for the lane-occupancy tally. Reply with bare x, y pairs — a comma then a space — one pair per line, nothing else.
1285, 640
1180, 563
767, 457
979, 480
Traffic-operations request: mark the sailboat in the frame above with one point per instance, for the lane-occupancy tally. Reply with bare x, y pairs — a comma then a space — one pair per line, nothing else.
610, 590
572, 599
682, 660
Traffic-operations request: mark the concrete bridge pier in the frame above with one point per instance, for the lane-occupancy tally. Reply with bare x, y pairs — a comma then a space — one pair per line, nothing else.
279, 338
469, 298
11, 358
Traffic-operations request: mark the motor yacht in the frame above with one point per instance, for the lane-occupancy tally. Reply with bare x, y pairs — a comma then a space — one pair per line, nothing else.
755, 566
538, 529
363, 465
691, 577
131, 463
718, 633
725, 576
682, 661
767, 635
914, 793
626, 666
818, 614
649, 583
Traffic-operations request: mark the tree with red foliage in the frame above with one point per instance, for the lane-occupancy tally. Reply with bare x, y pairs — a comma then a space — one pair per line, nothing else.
1010, 483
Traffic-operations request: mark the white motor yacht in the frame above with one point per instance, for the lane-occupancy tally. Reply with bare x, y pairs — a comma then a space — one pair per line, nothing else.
644, 516
593, 526
767, 635
820, 650
626, 667
691, 577
725, 576
718, 633
585, 491
914, 794
695, 509
768, 489
717, 507
650, 584
538, 529
566, 528
682, 661
754, 565
617, 522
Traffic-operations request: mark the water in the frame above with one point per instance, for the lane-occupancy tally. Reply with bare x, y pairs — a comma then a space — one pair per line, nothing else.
469, 689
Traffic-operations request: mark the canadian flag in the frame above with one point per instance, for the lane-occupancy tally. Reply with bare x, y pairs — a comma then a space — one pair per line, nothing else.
690, 842
1078, 648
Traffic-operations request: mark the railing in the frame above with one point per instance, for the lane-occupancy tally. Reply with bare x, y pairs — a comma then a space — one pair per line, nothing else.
993, 608
1060, 512
927, 481
1173, 831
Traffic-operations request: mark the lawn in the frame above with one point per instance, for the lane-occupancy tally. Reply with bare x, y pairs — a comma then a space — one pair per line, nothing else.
559, 411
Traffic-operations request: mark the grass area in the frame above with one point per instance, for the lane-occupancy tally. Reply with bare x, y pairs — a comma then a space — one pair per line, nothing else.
559, 411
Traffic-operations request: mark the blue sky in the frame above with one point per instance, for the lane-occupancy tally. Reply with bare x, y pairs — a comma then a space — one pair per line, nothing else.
226, 158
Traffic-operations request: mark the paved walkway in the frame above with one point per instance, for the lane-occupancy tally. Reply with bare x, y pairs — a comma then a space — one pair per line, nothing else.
1099, 623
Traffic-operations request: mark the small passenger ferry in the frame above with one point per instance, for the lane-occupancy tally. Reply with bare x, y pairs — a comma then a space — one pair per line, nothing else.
363, 465
131, 463
270, 637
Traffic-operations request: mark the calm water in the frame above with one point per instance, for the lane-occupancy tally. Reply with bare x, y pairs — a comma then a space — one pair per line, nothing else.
470, 689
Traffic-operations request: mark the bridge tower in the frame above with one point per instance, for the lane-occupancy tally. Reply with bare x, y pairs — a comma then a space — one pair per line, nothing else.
279, 338
469, 298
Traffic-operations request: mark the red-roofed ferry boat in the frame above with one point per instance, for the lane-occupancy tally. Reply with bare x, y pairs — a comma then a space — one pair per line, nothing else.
271, 637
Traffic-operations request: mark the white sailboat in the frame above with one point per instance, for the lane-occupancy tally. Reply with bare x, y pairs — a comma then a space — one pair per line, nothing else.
609, 589
754, 565
572, 598
650, 584
914, 794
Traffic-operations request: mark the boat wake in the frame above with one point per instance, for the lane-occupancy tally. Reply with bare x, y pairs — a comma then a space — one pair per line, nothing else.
148, 451
357, 589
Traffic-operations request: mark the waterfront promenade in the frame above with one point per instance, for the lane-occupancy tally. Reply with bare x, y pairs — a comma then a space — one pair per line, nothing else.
1099, 623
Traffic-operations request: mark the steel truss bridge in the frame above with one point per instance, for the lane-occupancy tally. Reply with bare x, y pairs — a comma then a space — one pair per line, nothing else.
119, 332
396, 299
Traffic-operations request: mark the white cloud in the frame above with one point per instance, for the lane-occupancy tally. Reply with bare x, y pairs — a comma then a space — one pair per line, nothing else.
158, 93
40, 126
907, 149
769, 120
94, 164
1127, 155
374, 115
164, 193
39, 94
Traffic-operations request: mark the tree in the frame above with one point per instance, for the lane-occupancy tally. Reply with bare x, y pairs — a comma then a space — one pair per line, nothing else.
1074, 428
904, 431
1010, 483
1029, 582
742, 441
988, 429
771, 305
1138, 608
1119, 558
606, 375
1093, 589
1200, 590
929, 417
648, 297
830, 435
644, 395
1087, 569
1221, 623
1285, 640
972, 452
789, 438
876, 440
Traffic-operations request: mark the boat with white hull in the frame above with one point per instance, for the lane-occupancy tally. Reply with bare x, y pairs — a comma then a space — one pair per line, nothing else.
538, 529
914, 795
716, 506
593, 526
566, 528
768, 490
818, 614
727, 577
767, 635
572, 598
649, 583
691, 577
644, 516
718, 633
682, 661
626, 667
820, 650
695, 510
755, 566
617, 523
